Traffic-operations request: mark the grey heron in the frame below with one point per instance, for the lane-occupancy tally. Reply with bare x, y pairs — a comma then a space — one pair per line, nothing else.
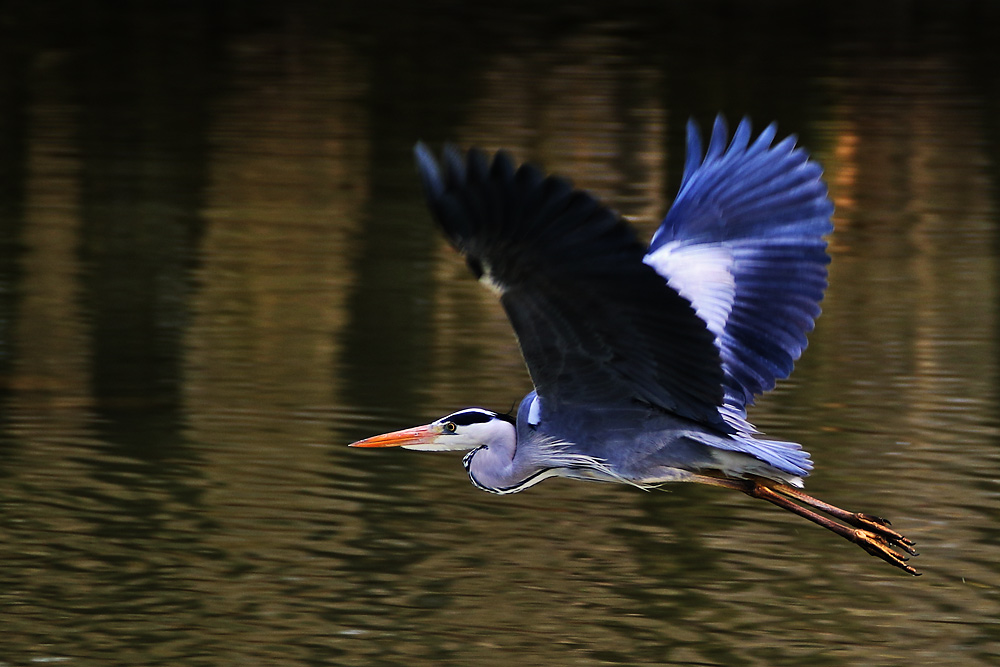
644, 359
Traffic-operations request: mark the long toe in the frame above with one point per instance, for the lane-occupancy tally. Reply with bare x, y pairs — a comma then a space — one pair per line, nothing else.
881, 528
880, 547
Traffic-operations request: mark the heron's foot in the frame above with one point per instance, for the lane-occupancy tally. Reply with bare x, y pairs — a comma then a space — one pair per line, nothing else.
885, 548
880, 528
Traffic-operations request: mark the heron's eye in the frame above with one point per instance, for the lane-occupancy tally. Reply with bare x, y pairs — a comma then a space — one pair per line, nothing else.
449, 427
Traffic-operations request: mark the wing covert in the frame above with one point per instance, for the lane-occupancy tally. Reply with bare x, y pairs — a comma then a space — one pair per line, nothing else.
594, 323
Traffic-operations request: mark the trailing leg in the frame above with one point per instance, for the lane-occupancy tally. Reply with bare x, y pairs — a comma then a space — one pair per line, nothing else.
870, 533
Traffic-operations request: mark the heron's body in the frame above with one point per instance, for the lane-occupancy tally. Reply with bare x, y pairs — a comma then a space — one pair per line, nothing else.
633, 444
645, 359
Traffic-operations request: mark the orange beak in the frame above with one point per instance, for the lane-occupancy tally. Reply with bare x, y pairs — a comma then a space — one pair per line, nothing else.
419, 436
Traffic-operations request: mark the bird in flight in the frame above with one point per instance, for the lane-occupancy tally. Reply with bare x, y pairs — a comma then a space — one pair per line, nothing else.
645, 359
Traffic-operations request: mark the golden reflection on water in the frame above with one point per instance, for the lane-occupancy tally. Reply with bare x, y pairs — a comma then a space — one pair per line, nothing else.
318, 305
284, 198
50, 371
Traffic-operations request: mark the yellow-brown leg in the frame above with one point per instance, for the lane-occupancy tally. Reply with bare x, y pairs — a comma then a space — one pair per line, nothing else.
875, 524
870, 533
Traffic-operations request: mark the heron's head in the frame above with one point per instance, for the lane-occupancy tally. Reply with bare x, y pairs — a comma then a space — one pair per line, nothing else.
459, 431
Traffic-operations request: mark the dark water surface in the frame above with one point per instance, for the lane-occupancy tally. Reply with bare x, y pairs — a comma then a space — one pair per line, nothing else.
216, 270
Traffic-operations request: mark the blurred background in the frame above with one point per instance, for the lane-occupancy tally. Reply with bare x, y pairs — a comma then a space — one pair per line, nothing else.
216, 269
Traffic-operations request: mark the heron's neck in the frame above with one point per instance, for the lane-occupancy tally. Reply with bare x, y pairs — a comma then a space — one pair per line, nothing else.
495, 467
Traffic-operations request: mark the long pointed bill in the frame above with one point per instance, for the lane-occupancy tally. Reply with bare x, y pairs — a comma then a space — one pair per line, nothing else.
419, 437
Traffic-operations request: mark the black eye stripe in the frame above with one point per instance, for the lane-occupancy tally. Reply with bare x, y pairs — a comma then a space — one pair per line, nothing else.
476, 416
466, 417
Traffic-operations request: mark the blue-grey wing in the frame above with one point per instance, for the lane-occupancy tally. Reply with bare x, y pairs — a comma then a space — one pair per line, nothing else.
594, 323
743, 242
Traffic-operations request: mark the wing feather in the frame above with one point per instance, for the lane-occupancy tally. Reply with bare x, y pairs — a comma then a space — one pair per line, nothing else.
708, 318
768, 207
595, 324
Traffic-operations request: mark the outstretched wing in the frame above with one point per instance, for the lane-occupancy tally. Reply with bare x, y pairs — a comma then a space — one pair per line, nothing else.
594, 323
743, 242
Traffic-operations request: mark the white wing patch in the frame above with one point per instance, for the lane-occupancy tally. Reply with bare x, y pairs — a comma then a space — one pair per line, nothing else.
702, 274
489, 282
535, 411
